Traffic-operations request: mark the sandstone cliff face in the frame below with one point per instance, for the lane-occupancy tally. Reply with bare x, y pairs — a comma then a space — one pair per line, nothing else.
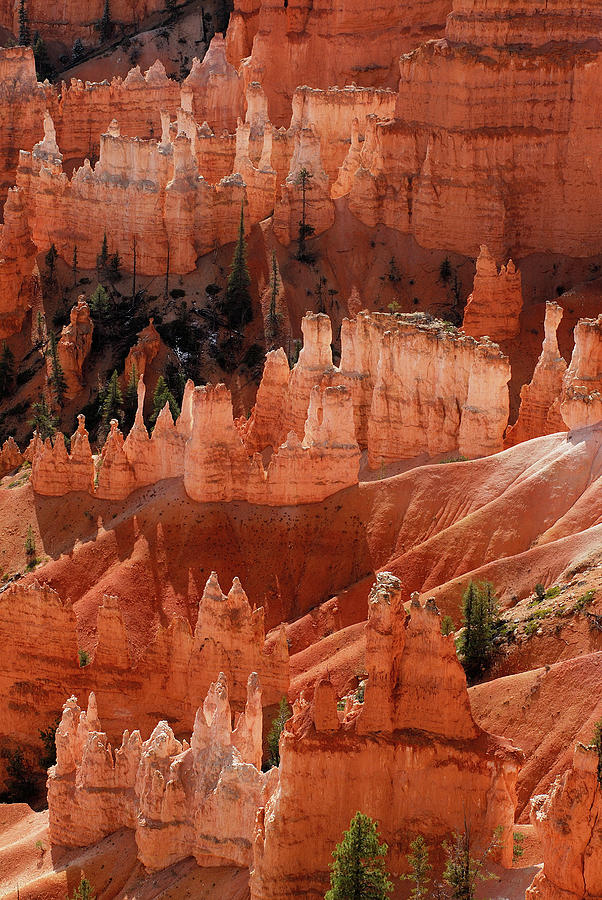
68, 20
208, 450
409, 758
567, 822
349, 46
181, 799
22, 104
496, 301
539, 411
486, 121
17, 261
417, 385
581, 398
171, 677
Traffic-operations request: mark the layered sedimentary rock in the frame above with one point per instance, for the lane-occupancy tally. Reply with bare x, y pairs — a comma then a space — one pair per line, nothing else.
417, 385
567, 822
22, 104
55, 472
146, 196
67, 21
170, 679
581, 398
181, 799
539, 411
496, 136
10, 456
411, 757
496, 301
305, 195
349, 45
74, 346
17, 262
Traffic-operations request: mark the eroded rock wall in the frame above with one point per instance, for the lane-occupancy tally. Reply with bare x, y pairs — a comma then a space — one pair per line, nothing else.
181, 799
411, 757
170, 678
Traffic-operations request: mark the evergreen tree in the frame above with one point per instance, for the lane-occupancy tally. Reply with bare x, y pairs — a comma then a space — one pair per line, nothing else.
358, 871
284, 714
84, 890
78, 50
100, 305
420, 868
74, 265
44, 421
273, 320
57, 379
130, 399
115, 267
239, 308
105, 26
476, 644
113, 401
51, 258
305, 230
30, 547
162, 396
40, 328
24, 36
103, 257
44, 67
7, 370
462, 870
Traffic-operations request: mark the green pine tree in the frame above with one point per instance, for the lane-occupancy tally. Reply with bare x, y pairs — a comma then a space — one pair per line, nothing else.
112, 406
44, 421
420, 868
476, 645
359, 871
100, 305
463, 871
30, 548
74, 265
105, 26
162, 396
239, 309
103, 257
44, 68
84, 891
284, 714
597, 746
24, 35
273, 319
57, 379
305, 230
51, 258
7, 370
130, 399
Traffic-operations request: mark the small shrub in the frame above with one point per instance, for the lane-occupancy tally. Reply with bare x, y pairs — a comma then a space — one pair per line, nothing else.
177, 293
531, 627
584, 600
517, 845
84, 891
48, 738
447, 625
552, 592
20, 783
30, 548
540, 592
84, 658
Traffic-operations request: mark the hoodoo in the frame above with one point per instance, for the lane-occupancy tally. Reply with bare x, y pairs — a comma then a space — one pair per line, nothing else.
300, 449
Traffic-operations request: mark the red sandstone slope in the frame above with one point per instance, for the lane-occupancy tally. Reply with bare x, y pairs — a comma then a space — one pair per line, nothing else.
522, 516
545, 711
